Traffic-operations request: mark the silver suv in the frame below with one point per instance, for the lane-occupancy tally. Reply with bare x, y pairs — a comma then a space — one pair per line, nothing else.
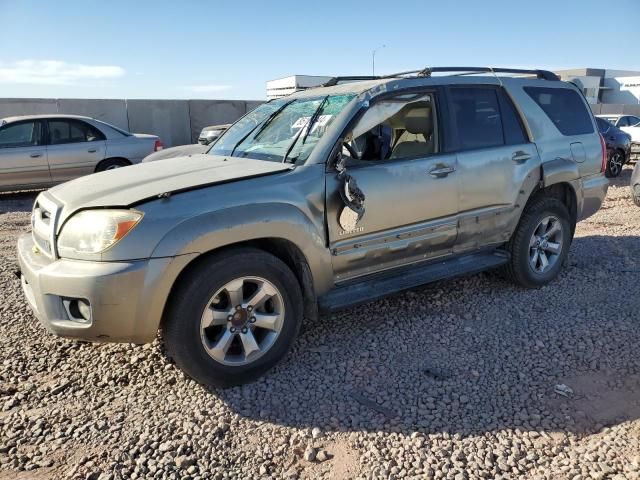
315, 202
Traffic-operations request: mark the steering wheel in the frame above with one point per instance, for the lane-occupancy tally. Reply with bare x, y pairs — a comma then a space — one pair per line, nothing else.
350, 149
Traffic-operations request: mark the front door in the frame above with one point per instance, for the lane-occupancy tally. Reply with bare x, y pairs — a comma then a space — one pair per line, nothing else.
23, 156
410, 190
74, 149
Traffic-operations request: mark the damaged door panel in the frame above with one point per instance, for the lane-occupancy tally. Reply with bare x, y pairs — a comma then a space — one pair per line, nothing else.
493, 189
409, 215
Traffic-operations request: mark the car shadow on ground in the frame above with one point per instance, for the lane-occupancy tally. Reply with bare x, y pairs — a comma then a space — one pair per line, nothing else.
470, 356
17, 201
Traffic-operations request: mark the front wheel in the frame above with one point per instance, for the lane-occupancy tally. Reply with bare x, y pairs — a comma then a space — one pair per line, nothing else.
233, 317
540, 244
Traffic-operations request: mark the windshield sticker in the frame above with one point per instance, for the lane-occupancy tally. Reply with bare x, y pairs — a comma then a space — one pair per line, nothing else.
303, 121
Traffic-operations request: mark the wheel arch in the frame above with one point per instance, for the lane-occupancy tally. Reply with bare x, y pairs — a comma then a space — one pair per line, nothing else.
281, 248
104, 160
565, 192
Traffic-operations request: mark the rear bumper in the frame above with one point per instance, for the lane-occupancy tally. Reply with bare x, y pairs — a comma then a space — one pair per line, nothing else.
594, 191
125, 299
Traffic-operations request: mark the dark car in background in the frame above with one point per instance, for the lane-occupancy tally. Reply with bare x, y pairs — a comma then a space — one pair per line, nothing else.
209, 134
618, 147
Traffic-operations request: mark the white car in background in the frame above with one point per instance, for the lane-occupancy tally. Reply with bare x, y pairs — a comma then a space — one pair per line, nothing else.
38, 151
629, 124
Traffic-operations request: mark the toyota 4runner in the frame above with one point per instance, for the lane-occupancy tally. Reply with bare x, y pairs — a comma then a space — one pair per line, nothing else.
311, 203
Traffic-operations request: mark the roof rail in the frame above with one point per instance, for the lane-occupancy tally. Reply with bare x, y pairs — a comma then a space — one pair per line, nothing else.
426, 72
335, 80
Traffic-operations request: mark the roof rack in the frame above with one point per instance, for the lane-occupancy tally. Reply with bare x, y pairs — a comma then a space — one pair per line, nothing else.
336, 80
426, 72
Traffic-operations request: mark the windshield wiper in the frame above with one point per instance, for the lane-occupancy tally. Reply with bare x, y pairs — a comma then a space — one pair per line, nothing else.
272, 117
262, 124
307, 127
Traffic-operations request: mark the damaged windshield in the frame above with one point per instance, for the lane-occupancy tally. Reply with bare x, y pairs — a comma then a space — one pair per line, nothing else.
282, 130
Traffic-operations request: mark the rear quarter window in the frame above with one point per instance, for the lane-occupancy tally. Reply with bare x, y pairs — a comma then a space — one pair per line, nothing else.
565, 109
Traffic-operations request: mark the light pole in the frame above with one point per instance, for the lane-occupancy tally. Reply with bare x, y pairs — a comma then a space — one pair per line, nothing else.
373, 59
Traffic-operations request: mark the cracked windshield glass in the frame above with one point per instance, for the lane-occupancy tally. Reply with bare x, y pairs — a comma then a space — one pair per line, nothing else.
284, 130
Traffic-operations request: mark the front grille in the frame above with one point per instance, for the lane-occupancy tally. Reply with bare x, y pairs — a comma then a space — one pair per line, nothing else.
43, 224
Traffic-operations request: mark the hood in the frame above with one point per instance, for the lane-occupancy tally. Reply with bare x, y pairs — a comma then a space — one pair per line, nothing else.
128, 185
173, 152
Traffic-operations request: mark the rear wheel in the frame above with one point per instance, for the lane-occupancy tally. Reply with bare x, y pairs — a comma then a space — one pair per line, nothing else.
540, 243
111, 164
233, 318
614, 164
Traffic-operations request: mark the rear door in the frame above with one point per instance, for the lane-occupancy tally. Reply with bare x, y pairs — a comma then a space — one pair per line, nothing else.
495, 158
23, 155
74, 148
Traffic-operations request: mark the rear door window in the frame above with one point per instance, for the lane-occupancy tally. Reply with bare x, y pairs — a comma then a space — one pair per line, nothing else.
23, 134
72, 131
633, 121
565, 109
477, 118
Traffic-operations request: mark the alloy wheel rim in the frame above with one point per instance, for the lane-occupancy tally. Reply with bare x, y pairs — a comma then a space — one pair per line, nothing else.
112, 167
242, 321
615, 163
545, 245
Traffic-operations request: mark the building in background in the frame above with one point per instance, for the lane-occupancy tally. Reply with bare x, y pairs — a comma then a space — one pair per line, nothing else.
620, 87
282, 87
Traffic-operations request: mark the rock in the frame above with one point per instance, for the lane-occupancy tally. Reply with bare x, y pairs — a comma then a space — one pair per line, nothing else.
323, 456
309, 454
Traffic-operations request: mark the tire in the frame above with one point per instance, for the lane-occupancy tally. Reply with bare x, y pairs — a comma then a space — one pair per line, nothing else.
111, 164
208, 287
615, 162
520, 269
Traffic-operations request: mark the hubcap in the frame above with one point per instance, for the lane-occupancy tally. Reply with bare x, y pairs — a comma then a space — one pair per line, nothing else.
545, 245
112, 167
615, 163
242, 321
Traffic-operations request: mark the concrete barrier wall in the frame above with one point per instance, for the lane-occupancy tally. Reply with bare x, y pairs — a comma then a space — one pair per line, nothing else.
169, 119
110, 111
613, 108
176, 122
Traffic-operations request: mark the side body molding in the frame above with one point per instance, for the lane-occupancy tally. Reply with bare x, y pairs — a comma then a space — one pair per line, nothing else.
220, 228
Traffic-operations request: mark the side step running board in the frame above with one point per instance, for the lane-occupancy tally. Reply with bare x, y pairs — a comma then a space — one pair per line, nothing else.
388, 283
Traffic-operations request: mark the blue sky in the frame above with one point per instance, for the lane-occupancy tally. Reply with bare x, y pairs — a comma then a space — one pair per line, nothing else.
189, 49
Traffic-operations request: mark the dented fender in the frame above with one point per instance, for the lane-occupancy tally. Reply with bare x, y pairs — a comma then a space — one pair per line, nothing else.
560, 170
220, 228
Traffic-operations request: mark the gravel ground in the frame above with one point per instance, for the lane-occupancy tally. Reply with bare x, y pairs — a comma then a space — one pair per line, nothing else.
455, 380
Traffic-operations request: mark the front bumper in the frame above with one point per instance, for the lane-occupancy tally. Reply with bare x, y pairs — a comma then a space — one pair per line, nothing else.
594, 190
126, 299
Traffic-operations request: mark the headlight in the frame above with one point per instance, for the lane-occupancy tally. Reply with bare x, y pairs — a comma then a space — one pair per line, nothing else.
93, 231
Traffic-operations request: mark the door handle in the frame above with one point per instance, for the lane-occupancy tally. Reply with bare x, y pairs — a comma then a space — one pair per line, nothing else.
520, 157
442, 171
35, 155
93, 150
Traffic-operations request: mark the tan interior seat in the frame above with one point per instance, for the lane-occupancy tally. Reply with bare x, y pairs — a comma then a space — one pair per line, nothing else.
417, 139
